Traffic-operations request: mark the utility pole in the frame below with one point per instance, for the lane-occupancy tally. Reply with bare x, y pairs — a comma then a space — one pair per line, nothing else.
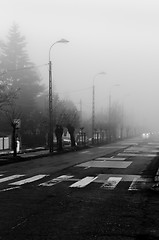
50, 110
50, 98
93, 105
93, 113
81, 111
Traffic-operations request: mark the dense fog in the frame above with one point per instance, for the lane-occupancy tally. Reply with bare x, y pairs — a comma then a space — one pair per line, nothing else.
119, 38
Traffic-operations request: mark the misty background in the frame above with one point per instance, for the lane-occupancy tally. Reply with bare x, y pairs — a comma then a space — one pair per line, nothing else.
118, 37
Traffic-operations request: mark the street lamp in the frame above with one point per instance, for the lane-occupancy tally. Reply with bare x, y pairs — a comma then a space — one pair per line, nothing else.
115, 85
50, 97
123, 116
93, 105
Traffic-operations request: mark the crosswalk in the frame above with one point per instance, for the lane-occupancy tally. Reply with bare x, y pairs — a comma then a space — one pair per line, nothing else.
103, 181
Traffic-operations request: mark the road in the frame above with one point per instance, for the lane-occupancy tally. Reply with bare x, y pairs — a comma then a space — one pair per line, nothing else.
97, 193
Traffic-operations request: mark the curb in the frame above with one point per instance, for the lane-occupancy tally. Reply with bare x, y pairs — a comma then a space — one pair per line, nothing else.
4, 160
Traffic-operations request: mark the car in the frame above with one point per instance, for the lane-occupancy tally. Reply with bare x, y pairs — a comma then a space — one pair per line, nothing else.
145, 135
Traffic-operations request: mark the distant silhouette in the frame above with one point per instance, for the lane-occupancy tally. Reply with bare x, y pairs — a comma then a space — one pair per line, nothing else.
71, 131
59, 133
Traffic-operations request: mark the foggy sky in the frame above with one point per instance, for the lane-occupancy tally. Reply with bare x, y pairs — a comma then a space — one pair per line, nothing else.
119, 37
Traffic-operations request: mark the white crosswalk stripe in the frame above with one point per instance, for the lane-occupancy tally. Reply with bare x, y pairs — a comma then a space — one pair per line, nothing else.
111, 183
139, 183
5, 179
29, 180
54, 181
83, 182
105, 181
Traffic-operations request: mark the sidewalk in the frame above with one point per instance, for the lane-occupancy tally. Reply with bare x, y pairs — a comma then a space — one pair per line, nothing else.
6, 157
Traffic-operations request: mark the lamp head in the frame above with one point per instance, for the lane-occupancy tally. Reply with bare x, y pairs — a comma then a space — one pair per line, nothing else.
62, 41
102, 73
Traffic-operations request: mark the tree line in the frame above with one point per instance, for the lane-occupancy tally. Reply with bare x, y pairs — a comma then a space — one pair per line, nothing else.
24, 97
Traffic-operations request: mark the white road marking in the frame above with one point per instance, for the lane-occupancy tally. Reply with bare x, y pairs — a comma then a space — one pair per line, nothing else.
157, 173
156, 178
29, 180
141, 149
154, 143
84, 152
5, 179
137, 155
131, 150
86, 167
111, 183
105, 164
139, 183
102, 147
55, 180
152, 150
83, 182
129, 143
8, 189
125, 178
111, 158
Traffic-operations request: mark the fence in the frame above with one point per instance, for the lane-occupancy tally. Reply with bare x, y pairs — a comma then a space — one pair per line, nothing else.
81, 139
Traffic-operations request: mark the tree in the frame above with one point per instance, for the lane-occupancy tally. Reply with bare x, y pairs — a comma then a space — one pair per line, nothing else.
20, 72
7, 94
20, 78
67, 113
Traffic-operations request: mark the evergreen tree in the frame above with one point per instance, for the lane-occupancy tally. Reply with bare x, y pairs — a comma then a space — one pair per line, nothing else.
21, 74
20, 85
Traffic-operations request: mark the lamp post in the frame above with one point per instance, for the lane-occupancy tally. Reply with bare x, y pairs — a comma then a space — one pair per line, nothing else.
110, 99
50, 97
93, 104
123, 116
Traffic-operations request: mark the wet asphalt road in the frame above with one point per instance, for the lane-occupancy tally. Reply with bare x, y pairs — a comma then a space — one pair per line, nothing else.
98, 193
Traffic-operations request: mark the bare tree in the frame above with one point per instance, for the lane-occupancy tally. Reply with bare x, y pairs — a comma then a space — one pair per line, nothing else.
13, 116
